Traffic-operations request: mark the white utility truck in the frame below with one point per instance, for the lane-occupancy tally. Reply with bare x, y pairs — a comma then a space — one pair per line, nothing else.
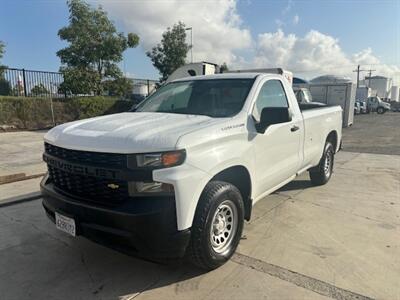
376, 104
181, 172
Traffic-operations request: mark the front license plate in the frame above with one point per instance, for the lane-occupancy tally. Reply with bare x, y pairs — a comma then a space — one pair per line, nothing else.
65, 224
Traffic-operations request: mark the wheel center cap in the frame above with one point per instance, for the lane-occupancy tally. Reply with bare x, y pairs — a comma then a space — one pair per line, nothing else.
220, 225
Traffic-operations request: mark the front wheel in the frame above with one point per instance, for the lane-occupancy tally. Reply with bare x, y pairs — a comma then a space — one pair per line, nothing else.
321, 173
217, 225
380, 110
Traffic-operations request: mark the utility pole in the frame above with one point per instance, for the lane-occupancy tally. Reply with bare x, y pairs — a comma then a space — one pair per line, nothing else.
369, 77
358, 75
191, 43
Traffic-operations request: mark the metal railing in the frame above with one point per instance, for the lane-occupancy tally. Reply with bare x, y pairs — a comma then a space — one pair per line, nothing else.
32, 83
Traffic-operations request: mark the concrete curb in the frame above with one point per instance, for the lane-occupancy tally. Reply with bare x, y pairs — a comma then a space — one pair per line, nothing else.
20, 199
5, 179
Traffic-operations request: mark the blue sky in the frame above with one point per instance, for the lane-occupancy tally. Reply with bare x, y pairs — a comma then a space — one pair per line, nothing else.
29, 29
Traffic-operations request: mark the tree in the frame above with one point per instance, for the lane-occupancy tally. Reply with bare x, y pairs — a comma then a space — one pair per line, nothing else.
39, 89
2, 51
5, 87
17, 90
170, 54
122, 87
2, 47
223, 68
79, 80
95, 47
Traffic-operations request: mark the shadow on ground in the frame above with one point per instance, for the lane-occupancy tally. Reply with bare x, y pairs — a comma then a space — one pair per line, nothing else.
296, 185
61, 263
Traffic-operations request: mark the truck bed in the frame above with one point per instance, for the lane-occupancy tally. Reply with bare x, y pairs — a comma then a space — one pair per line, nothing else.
317, 125
311, 105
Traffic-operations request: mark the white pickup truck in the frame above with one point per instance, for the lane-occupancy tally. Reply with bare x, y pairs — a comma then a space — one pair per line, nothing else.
180, 173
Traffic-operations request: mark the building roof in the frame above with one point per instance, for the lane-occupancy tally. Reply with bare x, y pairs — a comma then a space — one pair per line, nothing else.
297, 80
330, 79
376, 77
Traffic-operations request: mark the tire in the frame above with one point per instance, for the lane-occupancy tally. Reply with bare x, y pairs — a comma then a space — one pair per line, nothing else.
217, 225
321, 173
380, 110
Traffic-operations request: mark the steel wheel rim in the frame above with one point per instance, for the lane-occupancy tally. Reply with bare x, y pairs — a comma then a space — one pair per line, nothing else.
223, 226
328, 163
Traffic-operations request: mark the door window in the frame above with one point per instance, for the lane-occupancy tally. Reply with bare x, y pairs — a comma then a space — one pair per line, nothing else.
271, 94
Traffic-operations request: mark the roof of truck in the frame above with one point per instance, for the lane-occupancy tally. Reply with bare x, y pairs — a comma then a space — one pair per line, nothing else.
223, 76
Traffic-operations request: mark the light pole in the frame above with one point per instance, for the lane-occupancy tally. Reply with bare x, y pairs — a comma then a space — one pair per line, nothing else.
191, 43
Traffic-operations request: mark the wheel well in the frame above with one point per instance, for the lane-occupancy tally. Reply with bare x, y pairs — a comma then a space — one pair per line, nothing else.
332, 137
238, 176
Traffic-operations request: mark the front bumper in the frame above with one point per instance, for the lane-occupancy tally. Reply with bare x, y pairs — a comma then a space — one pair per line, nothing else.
144, 227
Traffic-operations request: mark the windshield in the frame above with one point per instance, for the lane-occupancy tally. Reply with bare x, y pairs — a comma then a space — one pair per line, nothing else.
215, 98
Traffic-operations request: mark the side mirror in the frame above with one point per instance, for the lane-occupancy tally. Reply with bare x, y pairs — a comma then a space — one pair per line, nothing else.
272, 115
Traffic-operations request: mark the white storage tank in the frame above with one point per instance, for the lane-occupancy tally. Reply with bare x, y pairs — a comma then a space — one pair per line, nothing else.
142, 89
381, 84
394, 93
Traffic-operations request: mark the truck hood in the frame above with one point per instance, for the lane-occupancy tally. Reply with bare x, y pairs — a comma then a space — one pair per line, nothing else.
127, 132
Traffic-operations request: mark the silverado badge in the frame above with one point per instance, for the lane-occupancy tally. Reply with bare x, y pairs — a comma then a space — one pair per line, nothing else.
113, 186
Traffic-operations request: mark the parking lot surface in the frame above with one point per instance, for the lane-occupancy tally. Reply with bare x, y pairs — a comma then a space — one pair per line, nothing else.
337, 241
21, 152
374, 133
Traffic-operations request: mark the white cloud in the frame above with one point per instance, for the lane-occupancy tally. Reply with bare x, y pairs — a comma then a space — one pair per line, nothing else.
314, 54
217, 28
296, 19
219, 35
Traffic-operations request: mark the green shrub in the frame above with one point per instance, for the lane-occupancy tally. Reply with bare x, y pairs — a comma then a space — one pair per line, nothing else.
5, 87
36, 113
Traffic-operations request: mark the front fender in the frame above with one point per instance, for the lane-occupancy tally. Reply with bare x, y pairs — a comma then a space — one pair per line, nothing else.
190, 179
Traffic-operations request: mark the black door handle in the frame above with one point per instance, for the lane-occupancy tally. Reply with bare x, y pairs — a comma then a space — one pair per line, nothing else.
294, 128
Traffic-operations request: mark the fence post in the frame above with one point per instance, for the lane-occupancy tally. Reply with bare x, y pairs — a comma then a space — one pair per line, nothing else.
24, 81
52, 111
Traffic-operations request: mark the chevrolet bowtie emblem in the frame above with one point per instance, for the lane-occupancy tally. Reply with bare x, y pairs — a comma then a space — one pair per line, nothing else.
113, 186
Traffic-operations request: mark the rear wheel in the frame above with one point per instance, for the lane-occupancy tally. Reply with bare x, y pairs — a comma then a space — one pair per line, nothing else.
217, 225
380, 110
321, 174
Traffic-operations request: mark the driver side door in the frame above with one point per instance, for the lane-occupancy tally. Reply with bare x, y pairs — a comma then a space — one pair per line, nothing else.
277, 150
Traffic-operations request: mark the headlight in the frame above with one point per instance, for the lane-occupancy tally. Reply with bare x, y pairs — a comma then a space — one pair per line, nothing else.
158, 160
150, 188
